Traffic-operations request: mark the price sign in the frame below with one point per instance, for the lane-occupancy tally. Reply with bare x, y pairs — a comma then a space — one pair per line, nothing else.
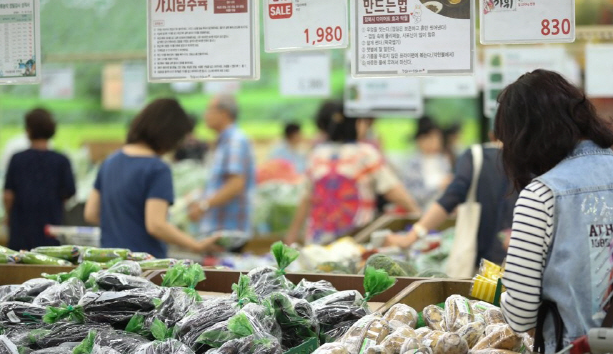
296, 81
450, 86
527, 21
296, 25
599, 70
203, 40
391, 97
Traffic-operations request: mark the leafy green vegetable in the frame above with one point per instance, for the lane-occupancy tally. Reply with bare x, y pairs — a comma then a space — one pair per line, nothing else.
182, 275
55, 314
137, 325
82, 272
87, 345
284, 255
240, 325
376, 281
391, 266
160, 331
70, 253
244, 292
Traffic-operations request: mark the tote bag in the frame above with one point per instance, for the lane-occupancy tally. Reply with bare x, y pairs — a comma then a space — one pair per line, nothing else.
462, 259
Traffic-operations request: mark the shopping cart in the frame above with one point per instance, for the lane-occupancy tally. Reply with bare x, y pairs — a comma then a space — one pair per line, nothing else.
597, 341
75, 235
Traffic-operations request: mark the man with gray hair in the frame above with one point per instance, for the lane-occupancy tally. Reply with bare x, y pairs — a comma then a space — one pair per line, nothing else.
225, 207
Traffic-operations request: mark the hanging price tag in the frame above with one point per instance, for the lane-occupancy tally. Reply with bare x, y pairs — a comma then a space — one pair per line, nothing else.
296, 25
295, 81
527, 21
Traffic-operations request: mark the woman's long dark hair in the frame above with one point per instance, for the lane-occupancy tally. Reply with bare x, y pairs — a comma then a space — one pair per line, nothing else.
541, 119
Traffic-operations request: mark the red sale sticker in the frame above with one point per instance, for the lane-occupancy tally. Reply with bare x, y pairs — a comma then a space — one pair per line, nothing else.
280, 11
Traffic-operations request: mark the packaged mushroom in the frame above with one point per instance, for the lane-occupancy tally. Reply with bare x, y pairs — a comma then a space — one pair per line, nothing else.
458, 313
434, 317
503, 338
332, 348
401, 315
472, 333
366, 333
393, 343
450, 343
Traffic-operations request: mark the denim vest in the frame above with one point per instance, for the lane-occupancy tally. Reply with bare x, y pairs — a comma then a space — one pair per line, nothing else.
578, 273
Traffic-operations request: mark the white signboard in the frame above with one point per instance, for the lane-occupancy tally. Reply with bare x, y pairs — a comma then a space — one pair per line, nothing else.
305, 25
19, 42
57, 83
222, 87
450, 86
599, 70
134, 85
503, 66
296, 81
203, 40
527, 21
376, 97
412, 37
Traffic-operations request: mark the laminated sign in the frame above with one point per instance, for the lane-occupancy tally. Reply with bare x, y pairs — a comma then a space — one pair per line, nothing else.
19, 42
197, 40
296, 25
412, 37
527, 21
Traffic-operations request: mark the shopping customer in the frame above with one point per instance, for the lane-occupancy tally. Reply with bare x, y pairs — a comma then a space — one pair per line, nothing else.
290, 149
344, 177
226, 203
38, 182
134, 188
560, 258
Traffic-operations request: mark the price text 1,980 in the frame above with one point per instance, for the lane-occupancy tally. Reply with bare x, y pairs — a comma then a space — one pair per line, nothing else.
328, 34
555, 27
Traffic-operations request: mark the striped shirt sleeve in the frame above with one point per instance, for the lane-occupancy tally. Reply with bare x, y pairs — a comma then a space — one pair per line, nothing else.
527, 255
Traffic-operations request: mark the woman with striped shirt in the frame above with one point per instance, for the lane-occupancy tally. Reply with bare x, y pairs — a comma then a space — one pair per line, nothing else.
559, 263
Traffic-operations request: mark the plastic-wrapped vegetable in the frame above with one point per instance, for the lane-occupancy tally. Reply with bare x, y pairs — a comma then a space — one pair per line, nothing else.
503, 338
393, 343
139, 256
170, 346
117, 308
458, 313
267, 280
377, 349
56, 350
183, 275
82, 272
7, 290
243, 292
365, 333
7, 347
27, 291
202, 317
336, 313
6, 250
68, 333
434, 317
332, 348
409, 345
119, 282
6, 258
311, 291
296, 318
171, 308
41, 259
68, 293
104, 254
249, 345
401, 315
472, 333
126, 267
24, 334
450, 343
164, 263
14, 312
69, 253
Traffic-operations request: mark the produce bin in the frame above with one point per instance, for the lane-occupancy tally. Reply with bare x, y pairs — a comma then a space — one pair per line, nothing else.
427, 292
394, 223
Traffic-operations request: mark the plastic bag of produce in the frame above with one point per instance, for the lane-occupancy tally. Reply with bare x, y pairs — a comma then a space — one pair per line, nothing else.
336, 313
249, 345
472, 333
296, 318
458, 313
187, 276
121, 341
27, 291
57, 350
311, 291
365, 333
502, 338
243, 293
267, 280
6, 258
450, 343
117, 308
401, 315
103, 255
118, 282
170, 346
126, 267
41, 259
392, 267
164, 263
393, 343
332, 348
72, 313
203, 316
68, 293
82, 272
171, 308
6, 290
7, 346
434, 317
68, 333
6, 250
15, 312
139, 256
69, 253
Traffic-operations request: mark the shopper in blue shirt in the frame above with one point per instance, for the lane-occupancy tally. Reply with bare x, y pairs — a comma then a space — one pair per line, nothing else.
226, 204
38, 182
134, 190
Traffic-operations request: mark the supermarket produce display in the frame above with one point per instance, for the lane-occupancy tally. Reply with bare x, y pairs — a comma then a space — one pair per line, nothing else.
110, 308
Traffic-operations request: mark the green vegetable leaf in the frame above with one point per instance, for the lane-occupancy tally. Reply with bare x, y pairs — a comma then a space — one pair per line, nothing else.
244, 292
181, 275
87, 345
37, 334
160, 331
55, 314
137, 325
81, 272
376, 281
240, 325
284, 255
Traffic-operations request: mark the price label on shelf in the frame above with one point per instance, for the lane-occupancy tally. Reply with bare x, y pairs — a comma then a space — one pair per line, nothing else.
527, 21
295, 81
297, 25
